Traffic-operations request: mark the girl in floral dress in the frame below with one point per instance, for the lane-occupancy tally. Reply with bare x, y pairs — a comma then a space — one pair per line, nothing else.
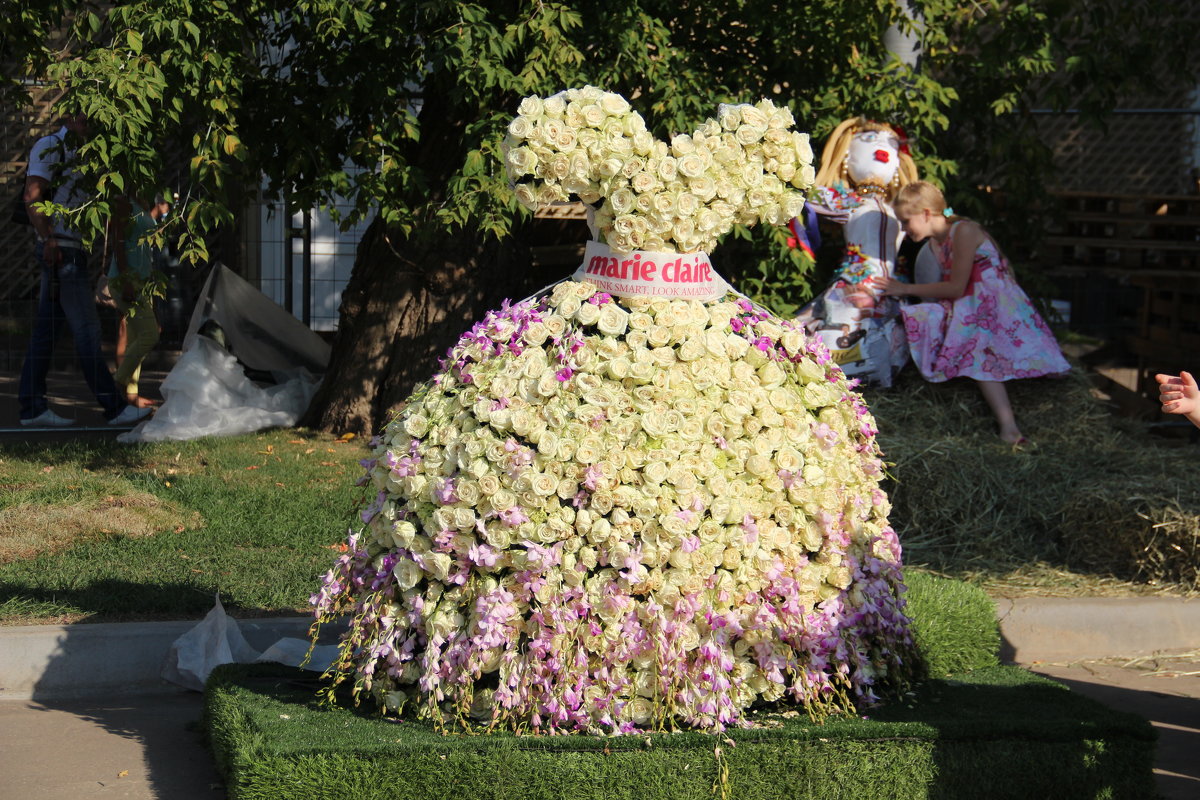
979, 324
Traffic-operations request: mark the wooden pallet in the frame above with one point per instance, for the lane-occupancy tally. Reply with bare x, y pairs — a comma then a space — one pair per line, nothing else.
1125, 232
1168, 338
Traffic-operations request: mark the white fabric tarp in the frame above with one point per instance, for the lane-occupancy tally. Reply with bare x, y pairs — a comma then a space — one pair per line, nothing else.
207, 392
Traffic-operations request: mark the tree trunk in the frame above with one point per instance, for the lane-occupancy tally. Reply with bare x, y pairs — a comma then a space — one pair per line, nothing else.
404, 306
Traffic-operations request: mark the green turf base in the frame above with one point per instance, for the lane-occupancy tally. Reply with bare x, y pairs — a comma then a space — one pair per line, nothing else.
997, 732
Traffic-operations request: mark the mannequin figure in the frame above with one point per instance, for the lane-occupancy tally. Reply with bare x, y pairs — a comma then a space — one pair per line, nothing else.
863, 166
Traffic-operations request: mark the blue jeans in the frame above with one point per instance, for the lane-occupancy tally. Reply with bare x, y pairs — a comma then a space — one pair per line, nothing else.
70, 299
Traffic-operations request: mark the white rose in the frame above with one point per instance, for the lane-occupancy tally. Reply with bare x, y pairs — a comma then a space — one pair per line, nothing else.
588, 314
407, 573
803, 147
781, 118
736, 347
621, 201
416, 426
686, 205
643, 183
754, 117
403, 533
614, 104
691, 166
668, 168
544, 484
556, 325
468, 492
521, 127
748, 134
521, 161
610, 167
771, 375
526, 196
658, 336
593, 115
530, 107
612, 320
729, 116
806, 177
464, 519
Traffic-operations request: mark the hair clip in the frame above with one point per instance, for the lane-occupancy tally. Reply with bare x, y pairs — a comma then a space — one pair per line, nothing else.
947, 212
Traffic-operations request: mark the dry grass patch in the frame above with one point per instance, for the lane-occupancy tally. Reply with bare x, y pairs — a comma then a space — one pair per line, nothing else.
33, 529
1097, 498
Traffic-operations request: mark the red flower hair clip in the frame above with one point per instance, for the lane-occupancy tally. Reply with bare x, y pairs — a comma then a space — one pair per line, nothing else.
903, 137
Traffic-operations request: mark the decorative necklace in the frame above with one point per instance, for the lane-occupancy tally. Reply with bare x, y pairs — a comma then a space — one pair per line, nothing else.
870, 190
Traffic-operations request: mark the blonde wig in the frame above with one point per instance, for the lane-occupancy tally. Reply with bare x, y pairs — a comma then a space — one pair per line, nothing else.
837, 150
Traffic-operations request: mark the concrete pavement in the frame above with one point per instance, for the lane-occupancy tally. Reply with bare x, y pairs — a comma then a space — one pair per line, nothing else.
132, 747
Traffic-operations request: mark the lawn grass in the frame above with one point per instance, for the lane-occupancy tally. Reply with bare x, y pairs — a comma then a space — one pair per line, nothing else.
996, 732
92, 529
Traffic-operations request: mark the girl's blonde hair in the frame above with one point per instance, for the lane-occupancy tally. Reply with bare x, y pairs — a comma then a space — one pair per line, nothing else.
919, 196
837, 150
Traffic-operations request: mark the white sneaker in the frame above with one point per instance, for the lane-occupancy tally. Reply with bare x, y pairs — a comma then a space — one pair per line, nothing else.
129, 416
47, 419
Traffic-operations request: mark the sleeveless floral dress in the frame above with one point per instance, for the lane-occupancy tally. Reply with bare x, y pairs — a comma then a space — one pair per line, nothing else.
991, 333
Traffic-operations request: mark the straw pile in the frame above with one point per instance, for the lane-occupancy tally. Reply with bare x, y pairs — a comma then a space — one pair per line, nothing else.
1095, 493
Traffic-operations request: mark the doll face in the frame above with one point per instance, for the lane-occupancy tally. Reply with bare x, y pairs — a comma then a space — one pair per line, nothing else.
873, 157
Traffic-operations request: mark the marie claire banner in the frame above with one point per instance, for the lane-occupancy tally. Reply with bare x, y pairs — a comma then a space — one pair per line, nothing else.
643, 274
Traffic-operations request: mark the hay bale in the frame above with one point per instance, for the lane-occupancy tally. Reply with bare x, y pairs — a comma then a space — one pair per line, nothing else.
1095, 493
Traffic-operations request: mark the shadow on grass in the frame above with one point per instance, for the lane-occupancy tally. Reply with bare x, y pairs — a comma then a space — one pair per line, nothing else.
1058, 743
107, 600
1177, 720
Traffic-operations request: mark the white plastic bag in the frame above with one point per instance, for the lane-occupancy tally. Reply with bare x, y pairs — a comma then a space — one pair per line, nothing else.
294, 651
216, 640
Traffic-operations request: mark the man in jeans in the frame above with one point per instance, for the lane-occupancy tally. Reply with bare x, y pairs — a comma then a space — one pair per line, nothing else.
67, 294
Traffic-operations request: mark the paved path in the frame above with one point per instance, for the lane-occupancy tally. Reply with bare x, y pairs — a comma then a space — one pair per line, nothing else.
139, 747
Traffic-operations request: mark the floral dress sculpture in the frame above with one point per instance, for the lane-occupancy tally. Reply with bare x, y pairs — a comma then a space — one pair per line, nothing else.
863, 165
635, 501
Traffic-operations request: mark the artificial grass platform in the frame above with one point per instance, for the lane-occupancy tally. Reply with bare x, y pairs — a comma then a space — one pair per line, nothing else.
996, 732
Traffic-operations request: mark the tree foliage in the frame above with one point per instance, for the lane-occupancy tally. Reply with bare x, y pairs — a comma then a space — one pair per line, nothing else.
399, 107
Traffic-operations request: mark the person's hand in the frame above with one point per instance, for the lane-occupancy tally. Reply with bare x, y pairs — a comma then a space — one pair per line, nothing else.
1179, 394
893, 288
51, 254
